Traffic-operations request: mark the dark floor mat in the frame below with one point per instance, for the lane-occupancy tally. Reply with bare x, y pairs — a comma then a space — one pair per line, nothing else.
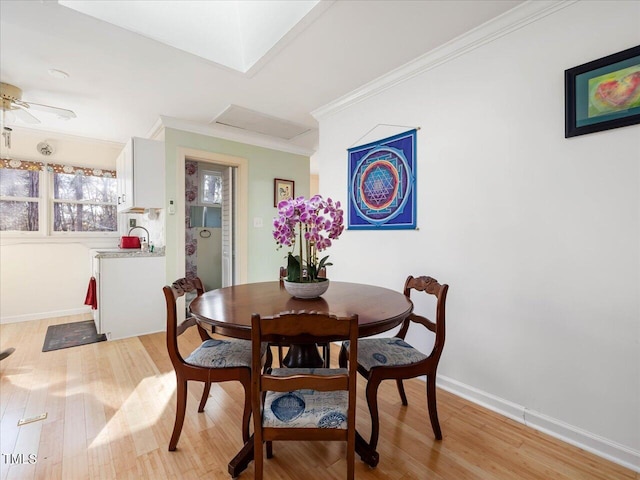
74, 334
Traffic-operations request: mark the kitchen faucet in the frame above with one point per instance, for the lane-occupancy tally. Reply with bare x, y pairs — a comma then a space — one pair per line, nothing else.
133, 228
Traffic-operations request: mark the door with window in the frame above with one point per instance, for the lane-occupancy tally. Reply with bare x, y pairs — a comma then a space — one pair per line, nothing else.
210, 232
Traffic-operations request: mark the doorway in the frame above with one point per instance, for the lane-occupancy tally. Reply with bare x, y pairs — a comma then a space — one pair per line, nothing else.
210, 220
240, 223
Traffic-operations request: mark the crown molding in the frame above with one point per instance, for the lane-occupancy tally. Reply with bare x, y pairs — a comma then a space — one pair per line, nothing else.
157, 130
233, 134
508, 22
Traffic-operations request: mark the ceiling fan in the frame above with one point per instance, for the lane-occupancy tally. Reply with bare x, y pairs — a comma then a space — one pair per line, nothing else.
12, 102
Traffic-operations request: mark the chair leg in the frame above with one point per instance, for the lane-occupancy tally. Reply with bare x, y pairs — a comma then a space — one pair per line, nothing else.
258, 459
433, 410
372, 401
280, 356
181, 392
204, 335
326, 352
246, 414
269, 449
205, 396
269, 360
403, 396
351, 457
342, 357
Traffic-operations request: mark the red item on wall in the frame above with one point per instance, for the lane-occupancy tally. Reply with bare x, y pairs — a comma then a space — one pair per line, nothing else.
92, 294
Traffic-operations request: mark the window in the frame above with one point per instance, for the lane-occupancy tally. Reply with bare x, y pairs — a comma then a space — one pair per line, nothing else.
52, 198
211, 187
84, 203
19, 200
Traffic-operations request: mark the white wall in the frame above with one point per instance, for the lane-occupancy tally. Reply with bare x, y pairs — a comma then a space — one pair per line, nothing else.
314, 184
47, 277
537, 235
76, 151
263, 164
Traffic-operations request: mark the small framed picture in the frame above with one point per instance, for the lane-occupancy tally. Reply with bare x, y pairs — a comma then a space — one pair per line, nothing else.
282, 190
603, 94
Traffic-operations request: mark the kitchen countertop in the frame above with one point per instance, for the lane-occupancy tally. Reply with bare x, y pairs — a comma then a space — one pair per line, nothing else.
127, 252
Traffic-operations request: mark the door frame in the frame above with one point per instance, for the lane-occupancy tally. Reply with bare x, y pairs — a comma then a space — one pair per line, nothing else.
241, 260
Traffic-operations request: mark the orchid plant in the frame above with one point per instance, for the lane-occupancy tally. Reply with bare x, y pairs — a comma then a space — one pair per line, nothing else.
308, 227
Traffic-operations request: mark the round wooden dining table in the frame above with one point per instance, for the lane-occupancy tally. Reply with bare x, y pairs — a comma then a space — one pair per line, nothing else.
228, 310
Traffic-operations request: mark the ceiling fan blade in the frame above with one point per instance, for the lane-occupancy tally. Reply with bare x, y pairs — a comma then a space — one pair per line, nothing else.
60, 112
22, 114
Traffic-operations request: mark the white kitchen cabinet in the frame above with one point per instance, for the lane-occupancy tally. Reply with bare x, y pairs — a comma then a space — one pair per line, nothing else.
124, 172
141, 180
129, 291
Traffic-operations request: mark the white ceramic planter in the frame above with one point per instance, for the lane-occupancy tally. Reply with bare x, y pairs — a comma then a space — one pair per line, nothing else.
307, 289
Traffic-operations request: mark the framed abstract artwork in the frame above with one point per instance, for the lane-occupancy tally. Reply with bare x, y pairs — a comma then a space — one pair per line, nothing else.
382, 184
282, 190
603, 94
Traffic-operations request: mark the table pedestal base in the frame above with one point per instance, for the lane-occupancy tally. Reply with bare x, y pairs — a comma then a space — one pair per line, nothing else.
242, 459
305, 356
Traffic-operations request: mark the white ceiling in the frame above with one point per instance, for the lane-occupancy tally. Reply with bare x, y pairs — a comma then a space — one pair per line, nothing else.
232, 33
121, 82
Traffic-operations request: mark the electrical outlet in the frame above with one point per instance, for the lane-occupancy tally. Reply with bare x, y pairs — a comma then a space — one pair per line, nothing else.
132, 222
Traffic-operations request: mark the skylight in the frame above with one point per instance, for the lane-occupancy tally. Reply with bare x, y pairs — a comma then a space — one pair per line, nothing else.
233, 33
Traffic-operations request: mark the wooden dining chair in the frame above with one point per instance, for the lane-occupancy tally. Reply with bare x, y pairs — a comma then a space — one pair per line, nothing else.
393, 358
300, 403
326, 347
215, 360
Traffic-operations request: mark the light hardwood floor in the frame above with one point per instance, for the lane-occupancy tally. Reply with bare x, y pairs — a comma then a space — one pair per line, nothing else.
111, 408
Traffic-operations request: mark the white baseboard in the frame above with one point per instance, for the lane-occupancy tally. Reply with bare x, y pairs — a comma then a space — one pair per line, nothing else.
590, 442
39, 316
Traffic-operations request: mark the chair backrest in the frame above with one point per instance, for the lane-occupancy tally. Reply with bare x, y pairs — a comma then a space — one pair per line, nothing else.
432, 287
283, 273
171, 294
299, 328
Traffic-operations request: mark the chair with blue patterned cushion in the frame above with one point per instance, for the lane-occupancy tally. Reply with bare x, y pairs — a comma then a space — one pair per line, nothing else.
303, 403
393, 358
215, 360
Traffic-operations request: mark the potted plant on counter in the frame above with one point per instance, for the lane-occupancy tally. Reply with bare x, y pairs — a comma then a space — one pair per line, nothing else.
307, 227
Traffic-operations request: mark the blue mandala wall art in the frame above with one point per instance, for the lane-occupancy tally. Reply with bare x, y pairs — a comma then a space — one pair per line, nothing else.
382, 184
